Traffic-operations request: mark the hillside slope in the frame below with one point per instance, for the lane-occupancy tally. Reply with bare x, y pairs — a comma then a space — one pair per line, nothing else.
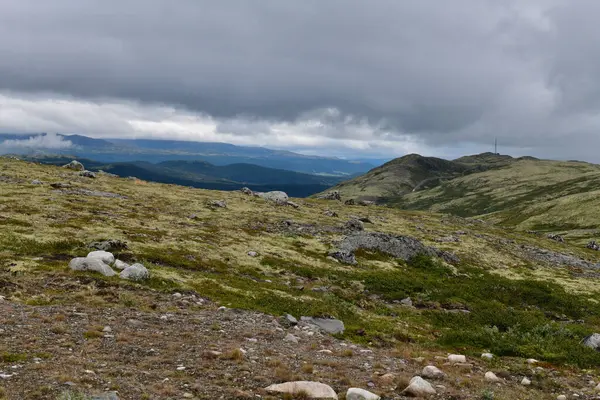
414, 172
528, 194
208, 318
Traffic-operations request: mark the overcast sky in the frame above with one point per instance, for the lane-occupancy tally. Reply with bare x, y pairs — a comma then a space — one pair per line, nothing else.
340, 77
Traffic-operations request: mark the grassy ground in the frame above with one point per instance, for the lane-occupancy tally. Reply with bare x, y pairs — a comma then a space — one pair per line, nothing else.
496, 299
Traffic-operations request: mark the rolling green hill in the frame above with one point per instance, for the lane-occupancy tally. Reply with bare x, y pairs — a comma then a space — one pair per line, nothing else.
414, 172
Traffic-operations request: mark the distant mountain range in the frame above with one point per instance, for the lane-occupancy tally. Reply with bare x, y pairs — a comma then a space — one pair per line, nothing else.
204, 175
218, 154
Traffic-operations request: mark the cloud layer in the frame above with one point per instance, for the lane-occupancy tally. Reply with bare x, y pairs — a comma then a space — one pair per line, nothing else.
48, 141
331, 76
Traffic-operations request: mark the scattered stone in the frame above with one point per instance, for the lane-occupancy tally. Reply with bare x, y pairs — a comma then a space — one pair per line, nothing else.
591, 245
360, 394
87, 192
247, 191
592, 341
290, 338
288, 321
407, 302
561, 397
329, 325
525, 382
350, 202
487, 356
135, 272
109, 245
91, 264
87, 174
387, 379
108, 174
102, 255
37, 182
354, 225
531, 361
252, 253
60, 185
120, 265
491, 377
432, 372
555, 237
276, 197
403, 247
217, 204
292, 204
107, 329
419, 387
333, 195
330, 213
74, 165
313, 390
457, 358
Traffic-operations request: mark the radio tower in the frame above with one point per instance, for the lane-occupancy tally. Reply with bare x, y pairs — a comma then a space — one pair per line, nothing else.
496, 146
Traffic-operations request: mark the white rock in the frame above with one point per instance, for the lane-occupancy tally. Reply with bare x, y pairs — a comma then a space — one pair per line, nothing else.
487, 356
491, 377
5, 376
561, 397
457, 358
74, 165
107, 329
419, 387
105, 256
360, 394
432, 372
91, 264
120, 265
325, 351
314, 390
525, 382
531, 361
275, 196
135, 272
252, 253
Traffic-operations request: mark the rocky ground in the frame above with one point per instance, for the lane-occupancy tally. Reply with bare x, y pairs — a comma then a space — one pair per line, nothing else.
220, 270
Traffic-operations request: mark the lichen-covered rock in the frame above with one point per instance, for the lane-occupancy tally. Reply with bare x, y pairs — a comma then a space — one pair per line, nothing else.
105, 256
313, 390
592, 341
74, 165
91, 264
333, 195
135, 272
275, 197
87, 174
360, 394
217, 204
432, 372
419, 387
403, 247
329, 325
120, 265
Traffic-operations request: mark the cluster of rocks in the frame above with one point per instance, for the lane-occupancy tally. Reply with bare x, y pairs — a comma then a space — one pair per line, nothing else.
593, 245
103, 262
109, 245
352, 202
217, 204
402, 247
333, 195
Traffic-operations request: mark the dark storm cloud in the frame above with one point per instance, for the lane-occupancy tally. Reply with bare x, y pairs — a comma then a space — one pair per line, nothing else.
444, 72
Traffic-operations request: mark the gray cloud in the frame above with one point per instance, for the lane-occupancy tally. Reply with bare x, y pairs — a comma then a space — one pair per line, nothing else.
424, 72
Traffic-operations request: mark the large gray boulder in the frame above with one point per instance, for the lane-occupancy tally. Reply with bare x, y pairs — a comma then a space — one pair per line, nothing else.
402, 247
135, 272
592, 341
432, 372
275, 197
360, 394
313, 390
329, 325
74, 165
102, 255
91, 264
419, 387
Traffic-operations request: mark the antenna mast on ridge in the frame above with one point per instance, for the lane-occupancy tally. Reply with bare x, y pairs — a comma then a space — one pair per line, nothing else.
495, 145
